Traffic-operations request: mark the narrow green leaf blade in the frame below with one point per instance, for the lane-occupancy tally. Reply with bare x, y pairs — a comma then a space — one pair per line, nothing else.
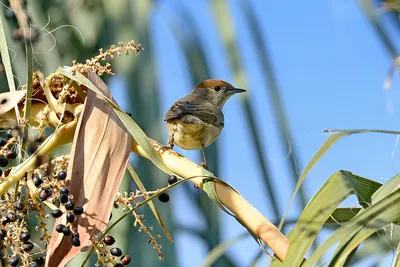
374, 218
8, 67
139, 183
342, 215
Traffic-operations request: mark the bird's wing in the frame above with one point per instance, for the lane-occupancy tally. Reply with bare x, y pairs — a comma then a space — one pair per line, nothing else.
201, 109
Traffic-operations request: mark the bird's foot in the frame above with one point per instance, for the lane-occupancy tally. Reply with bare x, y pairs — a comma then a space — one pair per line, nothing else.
203, 164
165, 147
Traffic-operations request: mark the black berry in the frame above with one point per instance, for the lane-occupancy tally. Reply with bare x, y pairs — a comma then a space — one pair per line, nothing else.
116, 252
14, 261
66, 230
40, 260
27, 246
12, 217
63, 198
9, 13
3, 162
44, 194
5, 220
7, 172
108, 240
24, 236
3, 142
59, 228
40, 139
125, 259
172, 179
64, 190
70, 217
19, 206
69, 205
37, 181
75, 241
3, 234
56, 213
11, 154
33, 264
78, 211
9, 133
62, 175
164, 197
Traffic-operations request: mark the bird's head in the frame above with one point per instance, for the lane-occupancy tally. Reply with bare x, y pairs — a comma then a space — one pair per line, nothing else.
216, 91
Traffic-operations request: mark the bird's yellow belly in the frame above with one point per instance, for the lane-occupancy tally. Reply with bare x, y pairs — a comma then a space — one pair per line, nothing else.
192, 136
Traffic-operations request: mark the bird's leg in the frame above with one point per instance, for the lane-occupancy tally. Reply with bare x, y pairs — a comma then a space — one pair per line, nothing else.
204, 163
170, 144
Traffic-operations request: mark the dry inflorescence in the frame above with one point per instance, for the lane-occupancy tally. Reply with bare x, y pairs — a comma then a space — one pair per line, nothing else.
41, 185
94, 65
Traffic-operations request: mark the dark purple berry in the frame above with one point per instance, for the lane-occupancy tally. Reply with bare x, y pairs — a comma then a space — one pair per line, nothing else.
12, 217
116, 252
70, 217
56, 213
24, 236
9, 133
40, 139
172, 179
66, 230
7, 172
63, 198
27, 246
59, 228
9, 13
75, 241
37, 181
44, 194
40, 260
109, 240
69, 205
5, 220
11, 154
78, 211
3, 234
62, 175
125, 259
3, 162
19, 206
164, 197
3, 142
14, 261
64, 190
33, 264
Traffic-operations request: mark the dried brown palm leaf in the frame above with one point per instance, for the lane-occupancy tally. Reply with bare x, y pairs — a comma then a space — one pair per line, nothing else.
99, 157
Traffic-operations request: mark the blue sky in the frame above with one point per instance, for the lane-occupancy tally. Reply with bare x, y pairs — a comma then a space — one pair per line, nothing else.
331, 68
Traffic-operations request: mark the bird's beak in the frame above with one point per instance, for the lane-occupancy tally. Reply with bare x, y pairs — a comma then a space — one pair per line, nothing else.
232, 91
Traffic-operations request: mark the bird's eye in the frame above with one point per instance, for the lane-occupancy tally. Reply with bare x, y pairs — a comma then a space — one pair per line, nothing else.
217, 88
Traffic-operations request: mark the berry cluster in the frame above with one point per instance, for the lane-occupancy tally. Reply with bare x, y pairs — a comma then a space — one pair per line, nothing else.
108, 254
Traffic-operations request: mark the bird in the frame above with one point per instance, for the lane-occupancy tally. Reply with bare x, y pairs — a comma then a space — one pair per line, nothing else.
196, 120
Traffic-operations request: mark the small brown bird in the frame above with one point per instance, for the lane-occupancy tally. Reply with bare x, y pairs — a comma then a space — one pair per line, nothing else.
196, 120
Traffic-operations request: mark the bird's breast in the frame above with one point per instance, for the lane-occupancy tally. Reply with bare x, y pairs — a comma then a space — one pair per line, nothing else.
191, 136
